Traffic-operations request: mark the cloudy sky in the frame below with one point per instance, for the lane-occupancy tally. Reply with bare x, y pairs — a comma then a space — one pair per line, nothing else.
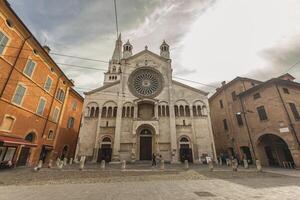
211, 40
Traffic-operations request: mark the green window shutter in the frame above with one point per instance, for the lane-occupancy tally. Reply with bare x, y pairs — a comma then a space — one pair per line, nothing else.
41, 107
29, 68
3, 42
20, 91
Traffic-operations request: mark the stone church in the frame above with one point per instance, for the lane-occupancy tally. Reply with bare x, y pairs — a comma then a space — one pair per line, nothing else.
140, 110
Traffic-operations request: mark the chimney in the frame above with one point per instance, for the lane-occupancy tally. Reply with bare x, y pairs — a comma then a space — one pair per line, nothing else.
46, 48
223, 83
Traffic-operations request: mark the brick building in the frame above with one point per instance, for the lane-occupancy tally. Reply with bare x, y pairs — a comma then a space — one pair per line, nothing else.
32, 94
258, 120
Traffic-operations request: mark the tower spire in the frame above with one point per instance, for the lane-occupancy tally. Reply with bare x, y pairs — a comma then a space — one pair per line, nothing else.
117, 55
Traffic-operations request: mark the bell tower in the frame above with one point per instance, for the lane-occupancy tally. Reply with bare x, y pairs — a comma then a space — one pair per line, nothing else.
114, 67
127, 50
164, 50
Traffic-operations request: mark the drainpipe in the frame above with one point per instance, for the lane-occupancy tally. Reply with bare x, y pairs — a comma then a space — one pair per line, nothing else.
247, 126
289, 118
14, 65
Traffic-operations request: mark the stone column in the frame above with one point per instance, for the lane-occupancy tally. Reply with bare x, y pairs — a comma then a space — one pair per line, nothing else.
97, 137
173, 136
156, 110
116, 148
194, 142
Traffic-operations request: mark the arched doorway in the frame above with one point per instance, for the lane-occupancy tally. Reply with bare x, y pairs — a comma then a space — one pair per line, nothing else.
105, 152
145, 144
185, 151
25, 151
64, 152
273, 151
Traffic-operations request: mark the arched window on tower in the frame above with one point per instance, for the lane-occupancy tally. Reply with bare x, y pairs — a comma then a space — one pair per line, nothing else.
109, 112
123, 111
97, 112
167, 111
163, 111
132, 111
128, 112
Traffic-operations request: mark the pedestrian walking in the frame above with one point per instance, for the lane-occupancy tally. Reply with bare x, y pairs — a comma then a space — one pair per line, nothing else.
153, 159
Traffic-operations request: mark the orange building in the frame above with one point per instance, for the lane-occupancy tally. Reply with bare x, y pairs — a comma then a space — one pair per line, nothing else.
33, 94
66, 140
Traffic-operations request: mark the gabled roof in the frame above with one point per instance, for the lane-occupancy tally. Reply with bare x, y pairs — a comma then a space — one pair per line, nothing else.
149, 52
267, 83
102, 88
238, 78
190, 88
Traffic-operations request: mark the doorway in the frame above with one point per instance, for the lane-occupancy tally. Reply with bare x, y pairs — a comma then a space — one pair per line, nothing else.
24, 154
145, 145
185, 151
105, 152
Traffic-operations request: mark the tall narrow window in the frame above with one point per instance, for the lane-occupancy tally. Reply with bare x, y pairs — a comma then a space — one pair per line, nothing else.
48, 84
167, 111
60, 95
194, 111
103, 114
225, 124
71, 121
3, 42
295, 111
221, 104
74, 105
109, 112
199, 110
163, 111
128, 112
187, 111
262, 113
97, 112
29, 68
233, 94
123, 111
176, 110
115, 111
19, 94
159, 111
55, 114
181, 111
41, 106
92, 114
239, 119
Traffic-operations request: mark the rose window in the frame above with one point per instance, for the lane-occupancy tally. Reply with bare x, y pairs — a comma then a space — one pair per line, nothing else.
145, 82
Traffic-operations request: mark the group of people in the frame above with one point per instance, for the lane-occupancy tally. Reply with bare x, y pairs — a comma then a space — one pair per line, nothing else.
156, 158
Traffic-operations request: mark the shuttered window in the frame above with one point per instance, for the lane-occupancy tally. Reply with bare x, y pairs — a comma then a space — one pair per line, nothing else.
41, 107
48, 84
3, 42
294, 111
19, 94
29, 68
262, 113
55, 114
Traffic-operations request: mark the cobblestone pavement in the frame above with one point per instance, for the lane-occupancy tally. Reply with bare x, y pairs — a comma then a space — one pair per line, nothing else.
146, 183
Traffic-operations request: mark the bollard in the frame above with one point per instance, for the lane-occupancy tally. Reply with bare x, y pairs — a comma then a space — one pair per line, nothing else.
60, 164
81, 162
123, 166
210, 166
258, 166
246, 166
103, 164
186, 164
71, 161
234, 165
65, 161
162, 164
40, 164
50, 163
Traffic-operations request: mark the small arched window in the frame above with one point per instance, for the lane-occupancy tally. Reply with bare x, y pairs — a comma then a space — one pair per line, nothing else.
176, 110
92, 114
128, 112
194, 111
115, 112
30, 137
97, 112
181, 110
51, 135
132, 111
187, 111
109, 112
163, 113
159, 111
103, 113
199, 110
114, 68
167, 111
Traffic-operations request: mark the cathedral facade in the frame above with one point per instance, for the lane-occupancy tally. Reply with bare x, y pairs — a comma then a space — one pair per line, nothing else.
140, 110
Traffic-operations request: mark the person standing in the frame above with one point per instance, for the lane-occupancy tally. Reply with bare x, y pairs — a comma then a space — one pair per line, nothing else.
153, 159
